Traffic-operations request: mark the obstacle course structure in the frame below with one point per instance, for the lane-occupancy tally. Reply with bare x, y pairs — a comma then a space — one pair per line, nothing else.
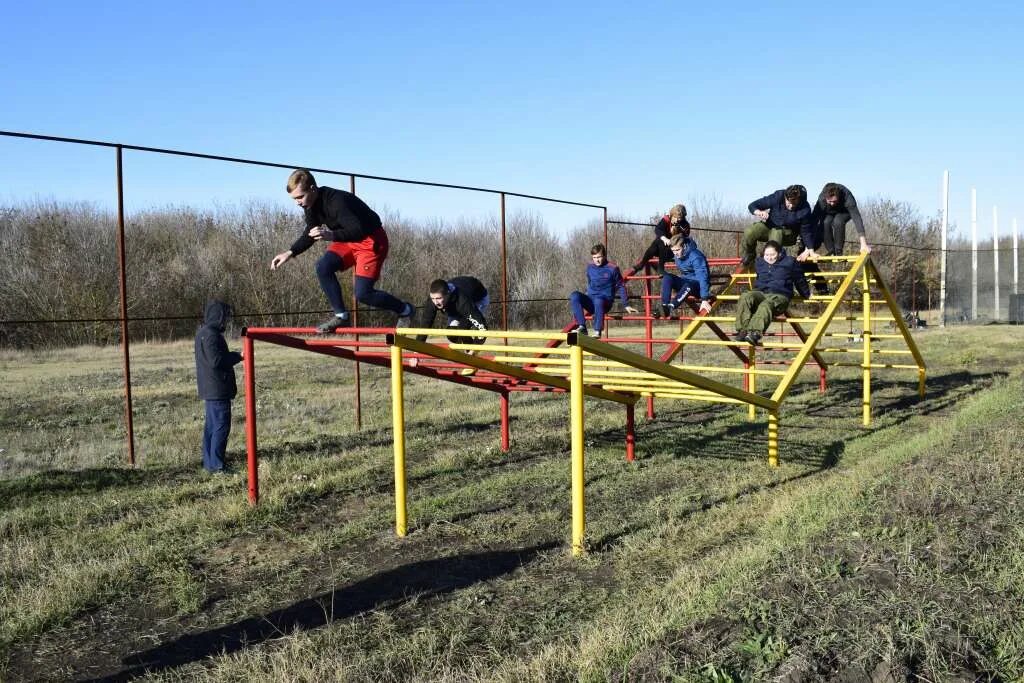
567, 362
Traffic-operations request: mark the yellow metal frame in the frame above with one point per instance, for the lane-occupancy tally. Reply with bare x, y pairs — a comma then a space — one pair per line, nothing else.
589, 367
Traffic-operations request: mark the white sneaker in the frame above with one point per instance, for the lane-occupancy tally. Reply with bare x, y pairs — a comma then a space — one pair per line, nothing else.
579, 329
596, 334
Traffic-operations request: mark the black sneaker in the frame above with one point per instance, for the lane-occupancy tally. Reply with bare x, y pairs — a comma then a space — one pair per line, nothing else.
329, 326
741, 335
821, 288
666, 311
754, 338
405, 320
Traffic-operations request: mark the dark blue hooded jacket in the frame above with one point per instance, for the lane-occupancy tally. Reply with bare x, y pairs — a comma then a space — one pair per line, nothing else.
215, 365
781, 277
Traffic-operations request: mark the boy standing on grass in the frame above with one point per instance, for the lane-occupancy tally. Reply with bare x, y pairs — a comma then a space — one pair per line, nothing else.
215, 375
603, 279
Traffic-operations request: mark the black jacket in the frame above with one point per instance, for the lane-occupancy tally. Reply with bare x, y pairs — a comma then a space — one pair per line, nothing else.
781, 277
847, 204
346, 214
663, 228
215, 365
464, 292
781, 217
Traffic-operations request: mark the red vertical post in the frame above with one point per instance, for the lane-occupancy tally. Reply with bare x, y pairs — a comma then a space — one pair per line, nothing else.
648, 322
822, 386
123, 283
504, 268
649, 328
630, 434
355, 323
249, 377
504, 422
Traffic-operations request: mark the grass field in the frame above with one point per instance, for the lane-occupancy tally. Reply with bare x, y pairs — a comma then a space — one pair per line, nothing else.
887, 553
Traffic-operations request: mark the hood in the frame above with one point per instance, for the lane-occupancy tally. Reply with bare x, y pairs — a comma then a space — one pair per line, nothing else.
217, 314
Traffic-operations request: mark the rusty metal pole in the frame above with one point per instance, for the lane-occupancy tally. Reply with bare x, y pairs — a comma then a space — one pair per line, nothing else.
606, 227
122, 281
355, 323
504, 268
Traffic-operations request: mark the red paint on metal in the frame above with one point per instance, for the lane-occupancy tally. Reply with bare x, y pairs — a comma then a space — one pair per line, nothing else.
630, 434
249, 375
504, 423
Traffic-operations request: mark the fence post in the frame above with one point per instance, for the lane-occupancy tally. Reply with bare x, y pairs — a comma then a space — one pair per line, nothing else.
995, 261
974, 254
942, 267
123, 282
504, 268
355, 323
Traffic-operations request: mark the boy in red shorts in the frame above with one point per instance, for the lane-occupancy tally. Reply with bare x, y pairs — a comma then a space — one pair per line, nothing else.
357, 239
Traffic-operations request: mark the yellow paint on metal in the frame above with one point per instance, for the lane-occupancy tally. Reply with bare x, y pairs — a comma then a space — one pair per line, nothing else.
752, 381
820, 328
507, 348
671, 372
412, 344
497, 334
579, 522
897, 316
398, 427
773, 438
866, 370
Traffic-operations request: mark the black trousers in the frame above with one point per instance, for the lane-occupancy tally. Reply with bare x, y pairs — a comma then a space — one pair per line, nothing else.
834, 227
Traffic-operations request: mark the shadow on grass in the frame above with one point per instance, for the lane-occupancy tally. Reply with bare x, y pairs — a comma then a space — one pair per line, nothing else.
385, 590
33, 488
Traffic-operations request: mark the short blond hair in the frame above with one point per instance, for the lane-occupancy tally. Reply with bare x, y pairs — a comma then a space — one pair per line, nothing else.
301, 177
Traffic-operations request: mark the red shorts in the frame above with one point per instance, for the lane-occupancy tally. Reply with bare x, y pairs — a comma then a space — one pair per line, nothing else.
367, 255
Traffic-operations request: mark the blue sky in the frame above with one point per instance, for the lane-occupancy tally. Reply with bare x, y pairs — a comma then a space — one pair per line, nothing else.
631, 105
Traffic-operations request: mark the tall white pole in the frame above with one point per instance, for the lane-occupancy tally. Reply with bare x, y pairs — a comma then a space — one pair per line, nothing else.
1015, 256
995, 258
974, 254
942, 266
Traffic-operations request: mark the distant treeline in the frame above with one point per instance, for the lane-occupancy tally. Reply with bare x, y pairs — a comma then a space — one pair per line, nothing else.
58, 262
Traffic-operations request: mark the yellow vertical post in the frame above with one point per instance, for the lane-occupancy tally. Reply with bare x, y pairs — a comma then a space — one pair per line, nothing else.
576, 424
920, 382
866, 364
773, 438
398, 425
752, 383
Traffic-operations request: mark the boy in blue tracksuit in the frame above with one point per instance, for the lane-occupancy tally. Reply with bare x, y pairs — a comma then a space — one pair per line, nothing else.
215, 375
694, 277
603, 280
777, 274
